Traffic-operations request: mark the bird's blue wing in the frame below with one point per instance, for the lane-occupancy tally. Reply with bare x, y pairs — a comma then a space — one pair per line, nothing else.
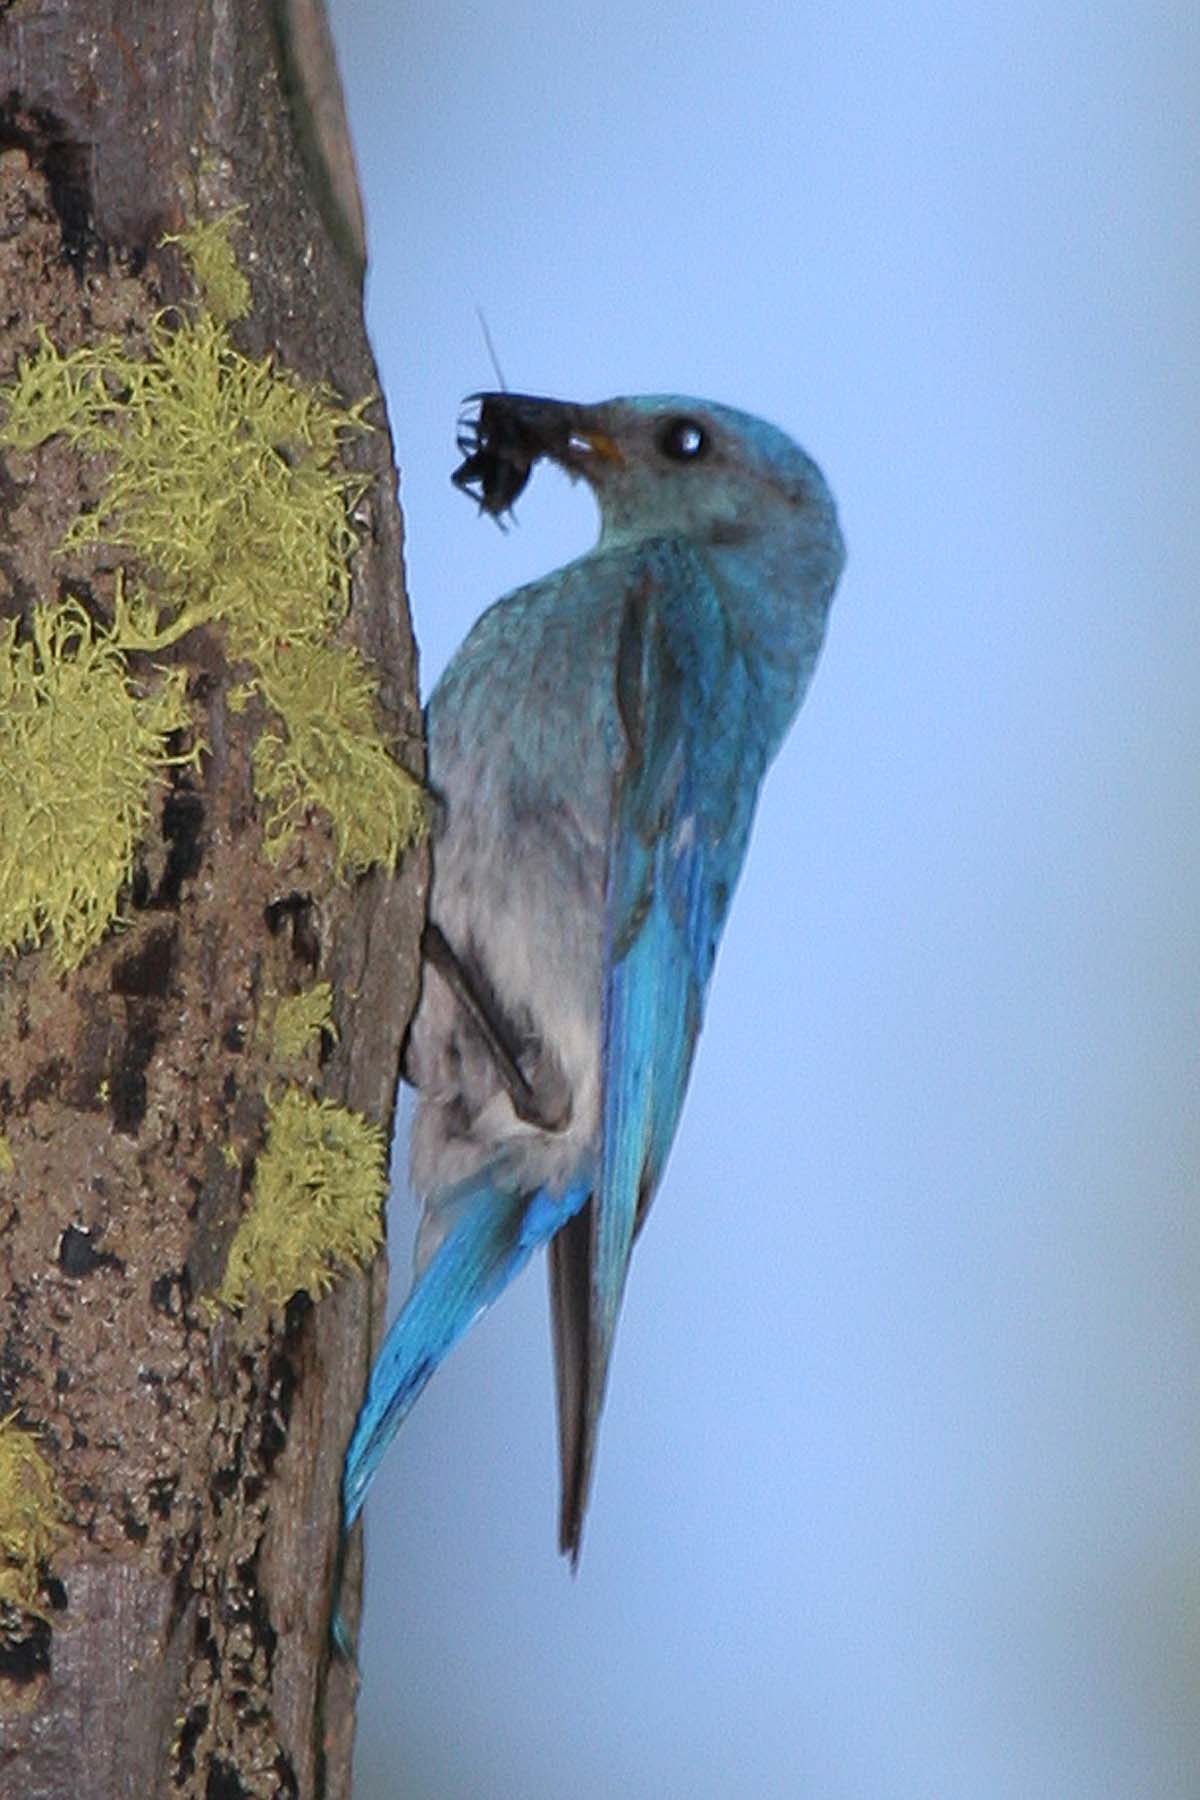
696, 749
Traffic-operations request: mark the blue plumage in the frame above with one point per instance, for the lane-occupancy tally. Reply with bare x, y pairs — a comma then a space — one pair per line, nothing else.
597, 746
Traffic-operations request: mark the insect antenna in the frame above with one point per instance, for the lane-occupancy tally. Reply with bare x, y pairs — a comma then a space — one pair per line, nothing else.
491, 349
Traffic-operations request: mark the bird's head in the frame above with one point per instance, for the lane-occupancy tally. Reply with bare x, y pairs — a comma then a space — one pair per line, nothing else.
659, 465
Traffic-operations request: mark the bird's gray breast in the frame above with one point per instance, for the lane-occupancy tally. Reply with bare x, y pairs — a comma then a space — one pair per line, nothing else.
524, 741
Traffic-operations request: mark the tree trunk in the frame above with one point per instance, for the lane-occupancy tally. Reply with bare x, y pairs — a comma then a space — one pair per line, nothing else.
183, 1643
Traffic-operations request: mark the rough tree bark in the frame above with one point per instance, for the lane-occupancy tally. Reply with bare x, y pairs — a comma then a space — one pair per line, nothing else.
197, 1451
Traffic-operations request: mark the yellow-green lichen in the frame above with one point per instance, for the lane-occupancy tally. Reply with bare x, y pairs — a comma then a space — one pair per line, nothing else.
30, 1516
208, 249
226, 487
8, 1164
80, 741
330, 754
299, 1018
317, 1203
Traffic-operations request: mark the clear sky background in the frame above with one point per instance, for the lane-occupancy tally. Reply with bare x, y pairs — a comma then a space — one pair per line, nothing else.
899, 1482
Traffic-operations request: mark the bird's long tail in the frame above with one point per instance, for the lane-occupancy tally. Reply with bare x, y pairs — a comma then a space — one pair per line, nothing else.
494, 1232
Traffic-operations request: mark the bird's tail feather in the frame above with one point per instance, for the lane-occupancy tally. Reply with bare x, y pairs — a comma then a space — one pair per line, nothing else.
494, 1233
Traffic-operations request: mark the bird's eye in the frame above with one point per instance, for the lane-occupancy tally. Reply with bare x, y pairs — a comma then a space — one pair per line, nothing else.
683, 440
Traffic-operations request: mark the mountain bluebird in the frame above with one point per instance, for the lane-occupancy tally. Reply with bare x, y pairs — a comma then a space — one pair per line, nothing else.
596, 748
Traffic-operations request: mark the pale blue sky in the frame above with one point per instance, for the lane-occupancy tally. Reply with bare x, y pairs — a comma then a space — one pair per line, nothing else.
898, 1483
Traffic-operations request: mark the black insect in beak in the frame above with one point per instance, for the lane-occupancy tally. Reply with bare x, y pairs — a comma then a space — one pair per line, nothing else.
512, 432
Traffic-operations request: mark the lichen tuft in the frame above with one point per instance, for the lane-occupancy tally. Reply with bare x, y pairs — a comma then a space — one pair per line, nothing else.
214, 267
317, 1203
226, 487
31, 1516
80, 744
299, 1017
330, 754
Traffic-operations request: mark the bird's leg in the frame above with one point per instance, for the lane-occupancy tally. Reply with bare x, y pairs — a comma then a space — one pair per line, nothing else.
549, 1111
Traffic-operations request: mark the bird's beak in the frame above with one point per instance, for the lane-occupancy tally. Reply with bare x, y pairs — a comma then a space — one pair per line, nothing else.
598, 443
512, 432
